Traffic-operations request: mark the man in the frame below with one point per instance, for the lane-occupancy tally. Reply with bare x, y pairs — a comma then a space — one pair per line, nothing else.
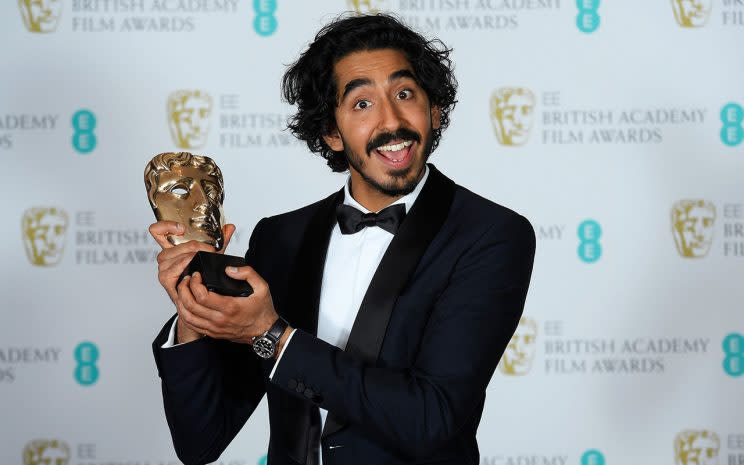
395, 322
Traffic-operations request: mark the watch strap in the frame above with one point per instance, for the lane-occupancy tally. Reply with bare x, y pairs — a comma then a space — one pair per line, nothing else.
277, 329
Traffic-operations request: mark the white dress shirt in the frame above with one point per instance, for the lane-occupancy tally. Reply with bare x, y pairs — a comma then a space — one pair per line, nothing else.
351, 261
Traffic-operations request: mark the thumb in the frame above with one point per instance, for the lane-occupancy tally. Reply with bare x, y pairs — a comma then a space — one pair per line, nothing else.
248, 274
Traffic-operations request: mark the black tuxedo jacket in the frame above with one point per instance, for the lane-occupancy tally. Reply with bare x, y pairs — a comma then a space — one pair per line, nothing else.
410, 385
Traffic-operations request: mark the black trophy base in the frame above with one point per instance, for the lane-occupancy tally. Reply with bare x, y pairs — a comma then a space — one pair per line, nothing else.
211, 266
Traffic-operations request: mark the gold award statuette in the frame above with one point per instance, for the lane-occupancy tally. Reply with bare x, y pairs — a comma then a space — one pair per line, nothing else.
189, 190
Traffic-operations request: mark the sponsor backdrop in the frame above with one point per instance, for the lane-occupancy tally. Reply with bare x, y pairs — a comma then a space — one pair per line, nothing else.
616, 127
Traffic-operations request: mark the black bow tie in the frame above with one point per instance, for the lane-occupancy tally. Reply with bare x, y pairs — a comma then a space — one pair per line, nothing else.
351, 220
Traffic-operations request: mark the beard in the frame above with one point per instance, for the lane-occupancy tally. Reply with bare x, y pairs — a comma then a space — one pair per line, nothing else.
399, 182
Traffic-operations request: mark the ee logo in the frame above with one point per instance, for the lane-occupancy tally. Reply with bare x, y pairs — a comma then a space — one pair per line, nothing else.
265, 22
732, 117
86, 370
588, 19
590, 250
592, 457
83, 137
733, 348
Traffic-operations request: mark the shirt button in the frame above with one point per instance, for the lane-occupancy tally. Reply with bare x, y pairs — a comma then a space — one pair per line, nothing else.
300, 387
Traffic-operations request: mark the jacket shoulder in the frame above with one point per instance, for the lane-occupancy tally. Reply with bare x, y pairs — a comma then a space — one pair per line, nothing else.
297, 217
474, 211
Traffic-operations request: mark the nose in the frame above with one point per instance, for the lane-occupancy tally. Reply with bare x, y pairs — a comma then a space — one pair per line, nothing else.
390, 118
198, 198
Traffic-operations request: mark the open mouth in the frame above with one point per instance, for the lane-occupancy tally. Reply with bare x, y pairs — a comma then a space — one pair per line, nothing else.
397, 153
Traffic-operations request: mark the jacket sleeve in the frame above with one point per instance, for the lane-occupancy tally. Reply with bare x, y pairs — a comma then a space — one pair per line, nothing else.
415, 410
210, 388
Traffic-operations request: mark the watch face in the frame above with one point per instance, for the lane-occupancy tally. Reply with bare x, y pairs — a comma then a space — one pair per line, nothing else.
263, 347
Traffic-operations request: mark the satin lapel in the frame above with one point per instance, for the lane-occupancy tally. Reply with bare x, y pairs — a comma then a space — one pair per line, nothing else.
303, 302
307, 273
396, 267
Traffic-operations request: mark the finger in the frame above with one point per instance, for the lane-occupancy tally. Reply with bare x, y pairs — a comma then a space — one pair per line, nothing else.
198, 324
168, 276
228, 230
248, 274
199, 290
190, 247
227, 305
162, 229
186, 296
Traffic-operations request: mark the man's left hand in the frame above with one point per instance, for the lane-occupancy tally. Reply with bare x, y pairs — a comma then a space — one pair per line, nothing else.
238, 319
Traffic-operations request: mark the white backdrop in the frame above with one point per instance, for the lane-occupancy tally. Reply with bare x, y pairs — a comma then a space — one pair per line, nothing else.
629, 348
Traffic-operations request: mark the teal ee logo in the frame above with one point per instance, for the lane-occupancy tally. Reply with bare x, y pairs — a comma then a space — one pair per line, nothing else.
588, 19
86, 370
733, 348
83, 136
590, 249
263, 460
732, 117
265, 22
592, 457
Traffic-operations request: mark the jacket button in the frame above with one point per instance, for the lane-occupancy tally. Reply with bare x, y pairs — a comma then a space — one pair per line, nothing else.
309, 393
292, 383
300, 387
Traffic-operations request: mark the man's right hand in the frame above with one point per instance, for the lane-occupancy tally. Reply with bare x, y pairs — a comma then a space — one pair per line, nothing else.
173, 259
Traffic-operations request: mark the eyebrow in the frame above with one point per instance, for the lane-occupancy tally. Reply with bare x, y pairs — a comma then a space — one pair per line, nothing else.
360, 82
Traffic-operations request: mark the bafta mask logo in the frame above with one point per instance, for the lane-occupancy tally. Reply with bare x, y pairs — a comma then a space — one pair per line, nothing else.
512, 109
189, 112
692, 226
46, 452
40, 15
364, 7
519, 354
189, 189
691, 13
696, 447
44, 230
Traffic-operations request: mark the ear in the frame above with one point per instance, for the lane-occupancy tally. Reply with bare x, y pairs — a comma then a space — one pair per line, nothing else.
334, 141
436, 117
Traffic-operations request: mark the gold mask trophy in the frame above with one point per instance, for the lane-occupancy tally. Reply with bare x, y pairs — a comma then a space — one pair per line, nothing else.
188, 189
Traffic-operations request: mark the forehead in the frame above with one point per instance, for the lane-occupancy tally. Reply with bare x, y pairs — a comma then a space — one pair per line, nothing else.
519, 99
180, 172
700, 211
195, 102
51, 220
703, 442
370, 64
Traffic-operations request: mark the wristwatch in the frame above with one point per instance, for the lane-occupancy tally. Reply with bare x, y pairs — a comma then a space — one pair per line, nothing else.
265, 345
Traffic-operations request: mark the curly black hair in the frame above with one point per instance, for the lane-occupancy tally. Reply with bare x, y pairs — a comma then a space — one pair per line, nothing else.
309, 82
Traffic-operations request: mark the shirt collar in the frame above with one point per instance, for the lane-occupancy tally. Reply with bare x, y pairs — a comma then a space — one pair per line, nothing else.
406, 199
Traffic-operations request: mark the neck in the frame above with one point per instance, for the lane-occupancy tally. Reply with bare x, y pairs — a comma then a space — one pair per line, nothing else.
369, 196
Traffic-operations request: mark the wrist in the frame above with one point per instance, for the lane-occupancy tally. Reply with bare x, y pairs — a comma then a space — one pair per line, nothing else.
184, 333
282, 342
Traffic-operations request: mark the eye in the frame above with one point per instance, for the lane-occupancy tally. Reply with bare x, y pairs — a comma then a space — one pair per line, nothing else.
179, 189
362, 105
405, 94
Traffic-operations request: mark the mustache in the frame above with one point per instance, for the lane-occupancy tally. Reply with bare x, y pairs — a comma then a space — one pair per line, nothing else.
385, 137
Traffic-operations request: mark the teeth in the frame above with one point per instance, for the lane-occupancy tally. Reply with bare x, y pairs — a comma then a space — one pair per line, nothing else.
395, 148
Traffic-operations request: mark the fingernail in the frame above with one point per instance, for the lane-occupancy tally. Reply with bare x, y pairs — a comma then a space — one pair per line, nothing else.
195, 274
232, 269
179, 227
